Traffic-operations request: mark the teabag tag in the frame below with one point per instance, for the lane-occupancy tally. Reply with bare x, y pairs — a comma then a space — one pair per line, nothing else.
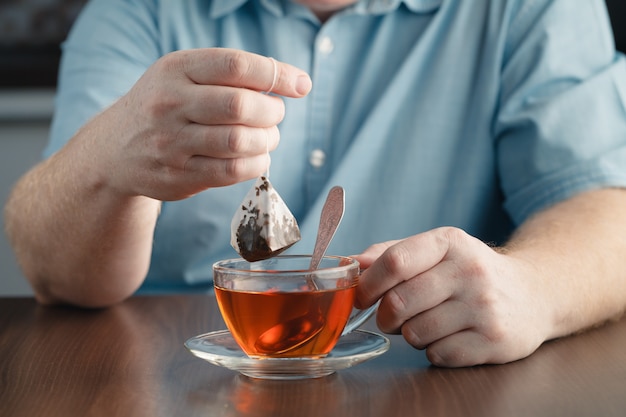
263, 226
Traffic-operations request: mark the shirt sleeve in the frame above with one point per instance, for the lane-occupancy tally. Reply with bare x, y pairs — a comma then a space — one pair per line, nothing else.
561, 125
110, 46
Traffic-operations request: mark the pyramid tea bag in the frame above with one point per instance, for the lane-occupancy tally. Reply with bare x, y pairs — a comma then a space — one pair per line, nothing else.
263, 226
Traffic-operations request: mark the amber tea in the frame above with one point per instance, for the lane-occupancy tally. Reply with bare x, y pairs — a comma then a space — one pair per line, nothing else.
280, 308
286, 324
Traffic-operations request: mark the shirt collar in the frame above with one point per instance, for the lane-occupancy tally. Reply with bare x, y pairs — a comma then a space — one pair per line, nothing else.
220, 8
386, 6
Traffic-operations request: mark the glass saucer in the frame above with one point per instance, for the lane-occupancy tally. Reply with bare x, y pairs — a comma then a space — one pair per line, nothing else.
219, 348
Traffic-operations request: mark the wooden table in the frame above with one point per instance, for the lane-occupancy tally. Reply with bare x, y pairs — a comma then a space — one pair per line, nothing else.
129, 360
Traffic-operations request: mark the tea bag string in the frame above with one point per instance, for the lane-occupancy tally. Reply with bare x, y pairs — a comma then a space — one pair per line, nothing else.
269, 161
267, 145
274, 76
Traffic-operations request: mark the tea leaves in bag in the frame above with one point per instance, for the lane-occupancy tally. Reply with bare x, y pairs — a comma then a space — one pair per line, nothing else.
263, 226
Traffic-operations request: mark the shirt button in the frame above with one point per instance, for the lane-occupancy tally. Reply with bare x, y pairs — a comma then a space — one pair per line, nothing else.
326, 45
317, 158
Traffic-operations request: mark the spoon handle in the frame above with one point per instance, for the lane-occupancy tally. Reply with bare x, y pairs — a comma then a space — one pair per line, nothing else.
331, 216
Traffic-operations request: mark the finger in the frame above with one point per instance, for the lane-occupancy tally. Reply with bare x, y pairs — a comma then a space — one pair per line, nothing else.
218, 172
226, 141
464, 348
227, 105
435, 324
369, 255
414, 297
222, 66
401, 262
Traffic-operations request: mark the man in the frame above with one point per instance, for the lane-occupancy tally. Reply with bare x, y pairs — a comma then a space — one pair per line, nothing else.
488, 136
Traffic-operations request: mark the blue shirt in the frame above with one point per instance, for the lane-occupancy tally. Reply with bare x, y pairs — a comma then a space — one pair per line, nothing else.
473, 114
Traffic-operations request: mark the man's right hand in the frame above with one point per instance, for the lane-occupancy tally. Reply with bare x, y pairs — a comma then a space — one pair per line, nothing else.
196, 119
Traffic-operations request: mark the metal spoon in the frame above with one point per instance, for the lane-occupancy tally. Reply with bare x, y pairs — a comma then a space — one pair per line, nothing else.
332, 213
293, 333
290, 334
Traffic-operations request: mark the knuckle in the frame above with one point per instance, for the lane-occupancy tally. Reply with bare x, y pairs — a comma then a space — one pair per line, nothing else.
158, 102
235, 106
478, 266
161, 156
486, 302
396, 304
237, 66
495, 331
234, 168
396, 259
452, 234
241, 169
491, 319
237, 140
161, 106
172, 62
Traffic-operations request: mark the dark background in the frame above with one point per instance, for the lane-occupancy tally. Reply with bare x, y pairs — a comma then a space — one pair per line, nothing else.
617, 11
30, 34
31, 31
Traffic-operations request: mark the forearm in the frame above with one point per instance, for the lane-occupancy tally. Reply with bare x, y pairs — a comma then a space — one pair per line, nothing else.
76, 240
577, 251
82, 222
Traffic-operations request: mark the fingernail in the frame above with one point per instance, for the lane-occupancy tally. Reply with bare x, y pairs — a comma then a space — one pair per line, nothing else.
303, 85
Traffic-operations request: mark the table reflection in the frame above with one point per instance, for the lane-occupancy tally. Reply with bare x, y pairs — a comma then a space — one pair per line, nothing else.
130, 360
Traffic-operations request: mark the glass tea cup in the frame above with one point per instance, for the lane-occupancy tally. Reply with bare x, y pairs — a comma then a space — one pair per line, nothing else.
279, 308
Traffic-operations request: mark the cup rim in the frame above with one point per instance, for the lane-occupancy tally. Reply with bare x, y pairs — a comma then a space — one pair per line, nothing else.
220, 265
